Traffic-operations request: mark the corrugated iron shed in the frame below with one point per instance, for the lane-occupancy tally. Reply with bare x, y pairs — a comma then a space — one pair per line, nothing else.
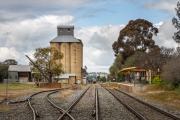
19, 68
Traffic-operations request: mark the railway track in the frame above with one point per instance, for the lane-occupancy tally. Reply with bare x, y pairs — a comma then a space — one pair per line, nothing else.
142, 110
111, 108
151, 106
40, 106
97, 104
76, 105
46, 107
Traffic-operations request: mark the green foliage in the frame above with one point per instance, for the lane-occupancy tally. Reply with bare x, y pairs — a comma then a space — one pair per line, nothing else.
130, 61
117, 65
156, 80
176, 22
46, 59
10, 62
103, 79
119, 77
3, 72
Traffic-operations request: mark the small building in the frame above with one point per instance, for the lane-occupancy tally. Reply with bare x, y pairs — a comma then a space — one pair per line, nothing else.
136, 74
19, 73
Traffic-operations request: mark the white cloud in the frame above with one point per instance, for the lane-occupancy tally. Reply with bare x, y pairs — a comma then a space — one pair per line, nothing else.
164, 37
27, 35
9, 53
98, 40
20, 38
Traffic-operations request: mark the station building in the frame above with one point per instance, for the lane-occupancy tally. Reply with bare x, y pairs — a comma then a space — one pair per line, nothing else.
136, 74
72, 50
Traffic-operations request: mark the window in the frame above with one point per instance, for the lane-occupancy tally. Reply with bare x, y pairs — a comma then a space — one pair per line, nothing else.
69, 29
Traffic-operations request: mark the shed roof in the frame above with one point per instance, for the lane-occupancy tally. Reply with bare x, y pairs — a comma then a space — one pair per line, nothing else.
19, 68
65, 38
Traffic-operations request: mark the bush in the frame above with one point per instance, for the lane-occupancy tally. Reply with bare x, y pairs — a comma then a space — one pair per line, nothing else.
156, 80
171, 73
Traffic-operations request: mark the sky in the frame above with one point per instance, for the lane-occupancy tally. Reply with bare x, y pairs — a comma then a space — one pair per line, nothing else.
29, 24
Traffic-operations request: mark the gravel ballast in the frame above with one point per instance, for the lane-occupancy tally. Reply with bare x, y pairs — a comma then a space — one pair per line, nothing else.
84, 109
111, 109
18, 111
43, 108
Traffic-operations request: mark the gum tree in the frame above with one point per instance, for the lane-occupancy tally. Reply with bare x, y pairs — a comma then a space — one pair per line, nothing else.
176, 23
136, 36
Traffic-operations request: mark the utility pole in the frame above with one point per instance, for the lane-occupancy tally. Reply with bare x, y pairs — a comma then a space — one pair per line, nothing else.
6, 99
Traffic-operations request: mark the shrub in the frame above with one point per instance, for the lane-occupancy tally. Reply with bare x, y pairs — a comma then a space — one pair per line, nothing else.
171, 73
156, 80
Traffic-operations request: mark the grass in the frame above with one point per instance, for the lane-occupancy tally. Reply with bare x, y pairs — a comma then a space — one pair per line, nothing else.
17, 86
17, 90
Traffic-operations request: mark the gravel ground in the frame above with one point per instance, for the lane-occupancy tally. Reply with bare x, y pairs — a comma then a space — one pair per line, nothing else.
84, 109
64, 98
44, 109
143, 109
111, 109
19, 111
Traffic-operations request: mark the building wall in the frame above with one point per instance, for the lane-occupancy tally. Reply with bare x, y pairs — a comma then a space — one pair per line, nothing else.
72, 60
13, 77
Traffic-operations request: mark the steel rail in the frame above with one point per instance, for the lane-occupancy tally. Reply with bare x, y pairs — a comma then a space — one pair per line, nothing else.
35, 114
33, 110
56, 106
73, 104
151, 106
137, 114
97, 103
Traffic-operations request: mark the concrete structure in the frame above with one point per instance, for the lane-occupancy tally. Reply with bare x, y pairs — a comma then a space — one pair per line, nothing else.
19, 73
72, 50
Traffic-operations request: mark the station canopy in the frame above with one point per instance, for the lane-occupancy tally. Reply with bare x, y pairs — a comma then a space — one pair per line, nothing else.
132, 69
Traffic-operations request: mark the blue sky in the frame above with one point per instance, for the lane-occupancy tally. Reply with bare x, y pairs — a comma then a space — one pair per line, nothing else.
32, 23
118, 12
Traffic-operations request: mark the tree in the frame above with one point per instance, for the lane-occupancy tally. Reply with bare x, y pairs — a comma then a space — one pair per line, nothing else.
3, 72
176, 23
4, 68
116, 66
136, 36
170, 72
10, 62
48, 61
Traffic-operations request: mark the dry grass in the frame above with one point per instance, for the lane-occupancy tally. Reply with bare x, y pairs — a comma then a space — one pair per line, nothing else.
169, 98
17, 90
